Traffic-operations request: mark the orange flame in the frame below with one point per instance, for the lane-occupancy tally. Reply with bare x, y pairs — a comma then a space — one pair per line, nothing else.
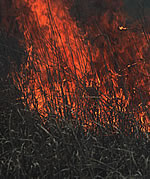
68, 68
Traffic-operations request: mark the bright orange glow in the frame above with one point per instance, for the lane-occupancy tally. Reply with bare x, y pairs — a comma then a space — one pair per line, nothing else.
66, 65
122, 28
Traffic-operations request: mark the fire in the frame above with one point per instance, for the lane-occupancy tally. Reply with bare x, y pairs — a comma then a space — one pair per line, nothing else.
123, 28
99, 66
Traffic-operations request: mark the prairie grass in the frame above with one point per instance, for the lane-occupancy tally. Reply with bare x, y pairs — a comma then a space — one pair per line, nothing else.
54, 125
62, 148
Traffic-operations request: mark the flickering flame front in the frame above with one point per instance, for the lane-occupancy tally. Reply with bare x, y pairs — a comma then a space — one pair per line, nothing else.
89, 74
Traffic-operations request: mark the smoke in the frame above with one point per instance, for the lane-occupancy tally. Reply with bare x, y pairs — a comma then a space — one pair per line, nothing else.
83, 10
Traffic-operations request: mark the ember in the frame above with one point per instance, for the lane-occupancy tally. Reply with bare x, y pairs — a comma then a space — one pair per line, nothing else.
85, 63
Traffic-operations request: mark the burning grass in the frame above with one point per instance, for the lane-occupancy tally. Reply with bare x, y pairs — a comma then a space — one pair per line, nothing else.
92, 74
63, 149
82, 104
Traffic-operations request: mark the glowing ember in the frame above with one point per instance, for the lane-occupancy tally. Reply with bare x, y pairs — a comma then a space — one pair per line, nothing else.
122, 28
86, 70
